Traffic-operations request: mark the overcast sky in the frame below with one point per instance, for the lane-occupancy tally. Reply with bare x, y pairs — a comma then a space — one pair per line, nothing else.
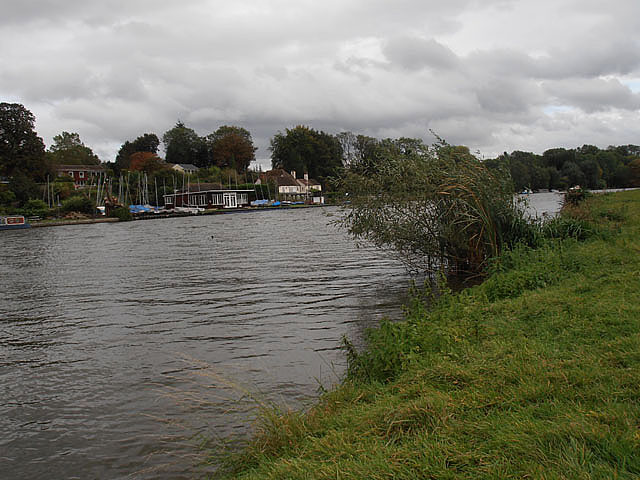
495, 75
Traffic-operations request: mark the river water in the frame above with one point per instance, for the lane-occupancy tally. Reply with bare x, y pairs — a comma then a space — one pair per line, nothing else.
120, 340
123, 344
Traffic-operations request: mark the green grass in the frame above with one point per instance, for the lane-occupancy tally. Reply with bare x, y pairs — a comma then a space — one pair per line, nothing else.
533, 374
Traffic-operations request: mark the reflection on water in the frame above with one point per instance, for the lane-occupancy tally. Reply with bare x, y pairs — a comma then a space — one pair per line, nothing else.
119, 338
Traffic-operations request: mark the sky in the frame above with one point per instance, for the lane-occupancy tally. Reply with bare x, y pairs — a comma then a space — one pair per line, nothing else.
495, 75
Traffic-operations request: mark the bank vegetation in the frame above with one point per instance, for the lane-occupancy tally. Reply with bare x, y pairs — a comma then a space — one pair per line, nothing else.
534, 373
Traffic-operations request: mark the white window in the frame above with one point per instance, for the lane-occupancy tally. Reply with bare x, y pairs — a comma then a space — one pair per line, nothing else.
202, 199
168, 200
81, 174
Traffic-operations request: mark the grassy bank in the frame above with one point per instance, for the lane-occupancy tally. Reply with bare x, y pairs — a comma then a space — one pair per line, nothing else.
533, 374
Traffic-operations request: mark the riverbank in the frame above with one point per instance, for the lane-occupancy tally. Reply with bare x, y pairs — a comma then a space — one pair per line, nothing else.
533, 374
158, 216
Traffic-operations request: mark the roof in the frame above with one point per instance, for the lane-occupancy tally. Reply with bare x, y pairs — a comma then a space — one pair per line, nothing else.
186, 166
309, 183
280, 176
95, 168
210, 187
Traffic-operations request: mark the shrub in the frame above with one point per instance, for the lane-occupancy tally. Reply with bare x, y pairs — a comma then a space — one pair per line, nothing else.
436, 206
121, 213
78, 204
36, 207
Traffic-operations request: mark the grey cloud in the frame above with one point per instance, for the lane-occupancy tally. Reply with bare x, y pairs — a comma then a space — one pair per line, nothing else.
415, 53
593, 95
593, 59
503, 95
115, 69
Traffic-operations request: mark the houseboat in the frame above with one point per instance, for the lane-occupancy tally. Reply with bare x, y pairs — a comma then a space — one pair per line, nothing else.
13, 222
207, 196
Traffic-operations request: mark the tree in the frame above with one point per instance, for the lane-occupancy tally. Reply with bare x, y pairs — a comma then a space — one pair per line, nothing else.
305, 150
21, 150
572, 175
232, 147
146, 162
148, 142
435, 207
183, 145
68, 149
557, 157
634, 172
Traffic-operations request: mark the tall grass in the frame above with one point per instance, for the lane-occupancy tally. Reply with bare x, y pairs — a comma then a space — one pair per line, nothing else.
535, 373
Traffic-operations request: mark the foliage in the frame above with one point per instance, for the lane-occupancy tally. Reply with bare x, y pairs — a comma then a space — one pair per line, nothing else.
305, 150
232, 147
68, 149
183, 145
7, 197
148, 142
147, 162
560, 168
21, 150
36, 208
533, 380
23, 187
80, 204
434, 207
121, 213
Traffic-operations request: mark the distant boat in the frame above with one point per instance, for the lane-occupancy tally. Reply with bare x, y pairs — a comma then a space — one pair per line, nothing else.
526, 191
13, 222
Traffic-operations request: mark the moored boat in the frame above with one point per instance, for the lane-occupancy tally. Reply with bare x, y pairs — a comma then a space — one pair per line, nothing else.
13, 222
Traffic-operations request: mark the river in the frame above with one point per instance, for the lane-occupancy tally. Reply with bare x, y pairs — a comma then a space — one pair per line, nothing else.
124, 344
119, 341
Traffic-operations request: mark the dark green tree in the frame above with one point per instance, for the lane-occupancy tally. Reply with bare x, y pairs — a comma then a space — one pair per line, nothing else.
148, 142
557, 157
183, 145
68, 149
21, 150
231, 147
305, 150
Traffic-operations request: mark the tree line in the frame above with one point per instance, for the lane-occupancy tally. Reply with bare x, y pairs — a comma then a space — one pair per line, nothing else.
228, 151
561, 168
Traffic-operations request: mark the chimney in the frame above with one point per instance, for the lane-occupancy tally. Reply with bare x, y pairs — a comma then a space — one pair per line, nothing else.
306, 177
293, 173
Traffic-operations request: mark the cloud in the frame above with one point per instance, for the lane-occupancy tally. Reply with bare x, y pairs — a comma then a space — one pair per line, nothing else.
486, 74
415, 53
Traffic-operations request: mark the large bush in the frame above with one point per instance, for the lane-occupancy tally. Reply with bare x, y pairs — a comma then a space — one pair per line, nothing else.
36, 207
78, 204
435, 207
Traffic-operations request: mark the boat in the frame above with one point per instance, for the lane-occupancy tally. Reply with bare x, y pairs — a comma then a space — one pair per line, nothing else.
13, 222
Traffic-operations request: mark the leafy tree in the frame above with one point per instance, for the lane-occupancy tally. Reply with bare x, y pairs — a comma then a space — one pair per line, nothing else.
634, 173
68, 149
359, 152
146, 162
21, 150
305, 150
183, 145
557, 157
232, 147
148, 142
572, 175
23, 187
592, 173
435, 208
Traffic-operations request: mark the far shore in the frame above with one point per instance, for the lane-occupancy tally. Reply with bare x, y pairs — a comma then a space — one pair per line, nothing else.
153, 216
